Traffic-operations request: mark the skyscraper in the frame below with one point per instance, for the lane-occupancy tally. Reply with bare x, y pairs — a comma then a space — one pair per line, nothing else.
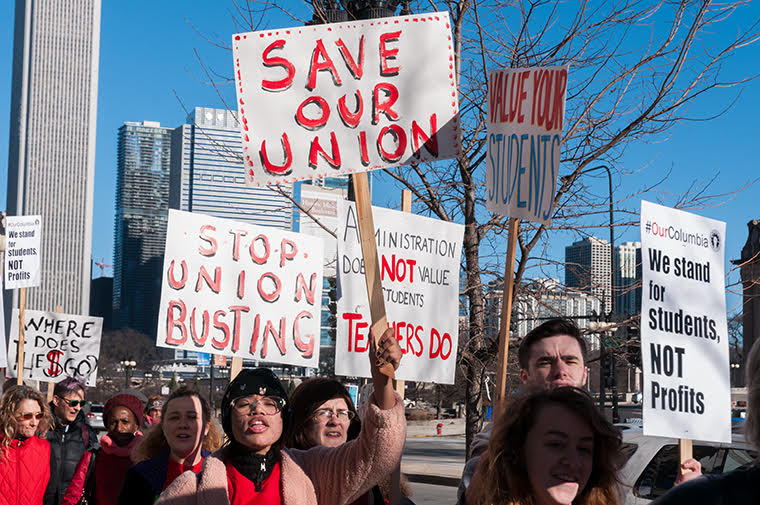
628, 278
587, 268
142, 208
51, 160
207, 174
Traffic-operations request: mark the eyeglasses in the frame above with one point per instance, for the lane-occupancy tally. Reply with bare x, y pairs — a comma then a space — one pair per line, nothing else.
28, 416
74, 403
270, 405
343, 415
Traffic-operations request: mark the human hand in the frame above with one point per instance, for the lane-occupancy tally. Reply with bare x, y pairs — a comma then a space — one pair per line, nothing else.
384, 357
689, 470
387, 350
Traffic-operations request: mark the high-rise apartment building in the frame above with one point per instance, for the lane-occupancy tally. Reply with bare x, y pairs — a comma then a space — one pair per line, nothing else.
628, 278
749, 268
207, 174
142, 208
587, 268
51, 161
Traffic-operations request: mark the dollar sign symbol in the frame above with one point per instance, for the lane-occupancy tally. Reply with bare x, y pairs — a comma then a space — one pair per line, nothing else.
54, 358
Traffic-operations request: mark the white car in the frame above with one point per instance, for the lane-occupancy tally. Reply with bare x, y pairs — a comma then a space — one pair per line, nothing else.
94, 416
653, 462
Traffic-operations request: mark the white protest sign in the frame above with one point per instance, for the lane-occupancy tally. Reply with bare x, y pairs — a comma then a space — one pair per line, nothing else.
684, 340
526, 109
238, 289
22, 254
419, 268
348, 97
3, 349
56, 346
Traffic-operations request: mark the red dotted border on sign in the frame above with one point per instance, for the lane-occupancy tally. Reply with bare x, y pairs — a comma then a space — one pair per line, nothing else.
339, 26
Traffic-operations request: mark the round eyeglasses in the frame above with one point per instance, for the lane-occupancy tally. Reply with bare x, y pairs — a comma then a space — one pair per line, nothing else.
270, 405
341, 414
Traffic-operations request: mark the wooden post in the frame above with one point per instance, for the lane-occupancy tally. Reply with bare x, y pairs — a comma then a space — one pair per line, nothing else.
235, 367
406, 206
20, 349
684, 452
51, 385
371, 262
506, 316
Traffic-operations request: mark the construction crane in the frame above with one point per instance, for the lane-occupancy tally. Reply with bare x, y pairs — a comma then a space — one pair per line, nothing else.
102, 265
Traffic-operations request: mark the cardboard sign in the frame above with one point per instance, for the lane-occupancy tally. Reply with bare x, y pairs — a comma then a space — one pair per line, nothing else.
526, 109
22, 255
347, 97
419, 266
684, 338
240, 290
56, 346
3, 350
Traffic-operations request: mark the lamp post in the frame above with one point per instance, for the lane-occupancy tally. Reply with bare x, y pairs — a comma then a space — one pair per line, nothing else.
128, 366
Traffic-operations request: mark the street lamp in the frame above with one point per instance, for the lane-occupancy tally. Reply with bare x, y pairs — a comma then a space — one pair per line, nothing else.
128, 366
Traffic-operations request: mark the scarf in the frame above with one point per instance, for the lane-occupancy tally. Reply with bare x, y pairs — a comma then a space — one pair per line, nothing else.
110, 447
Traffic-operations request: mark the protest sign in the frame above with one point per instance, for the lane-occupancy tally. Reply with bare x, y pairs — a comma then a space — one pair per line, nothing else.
240, 290
56, 346
684, 340
348, 97
3, 349
22, 255
526, 109
419, 264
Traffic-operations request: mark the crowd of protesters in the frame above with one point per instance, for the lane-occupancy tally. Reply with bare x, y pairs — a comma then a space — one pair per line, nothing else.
549, 445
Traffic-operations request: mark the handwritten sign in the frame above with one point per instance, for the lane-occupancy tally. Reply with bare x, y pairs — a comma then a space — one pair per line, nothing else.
526, 109
419, 267
684, 339
56, 346
346, 97
22, 256
238, 289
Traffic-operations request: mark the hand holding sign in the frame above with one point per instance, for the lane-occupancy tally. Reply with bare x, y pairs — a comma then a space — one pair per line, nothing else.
385, 354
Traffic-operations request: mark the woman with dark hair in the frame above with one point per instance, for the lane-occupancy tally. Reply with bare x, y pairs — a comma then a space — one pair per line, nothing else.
27, 468
254, 467
179, 442
550, 448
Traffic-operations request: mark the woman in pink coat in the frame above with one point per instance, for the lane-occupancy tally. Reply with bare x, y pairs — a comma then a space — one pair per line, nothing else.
255, 468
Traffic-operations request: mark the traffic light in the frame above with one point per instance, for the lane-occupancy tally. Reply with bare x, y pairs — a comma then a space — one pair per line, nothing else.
332, 306
608, 365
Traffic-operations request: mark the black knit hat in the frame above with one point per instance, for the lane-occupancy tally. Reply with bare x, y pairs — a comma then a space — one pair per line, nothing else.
255, 381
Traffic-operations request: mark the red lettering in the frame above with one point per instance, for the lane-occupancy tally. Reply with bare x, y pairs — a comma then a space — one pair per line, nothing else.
318, 122
494, 92
356, 69
279, 337
270, 167
363, 145
275, 294
390, 268
558, 107
220, 325
173, 283
301, 288
211, 250
179, 322
316, 149
215, 284
241, 285
351, 317
430, 141
237, 310
236, 242
399, 137
317, 66
411, 264
523, 95
259, 260
351, 119
199, 341
388, 54
419, 340
384, 104
255, 337
306, 348
277, 61
287, 255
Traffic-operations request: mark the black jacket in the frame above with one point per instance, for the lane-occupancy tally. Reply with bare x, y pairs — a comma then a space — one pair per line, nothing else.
67, 447
740, 487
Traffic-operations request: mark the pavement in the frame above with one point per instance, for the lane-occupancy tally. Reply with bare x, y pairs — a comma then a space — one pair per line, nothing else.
434, 459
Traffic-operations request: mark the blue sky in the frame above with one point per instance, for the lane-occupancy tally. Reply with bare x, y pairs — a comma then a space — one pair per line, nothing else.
148, 65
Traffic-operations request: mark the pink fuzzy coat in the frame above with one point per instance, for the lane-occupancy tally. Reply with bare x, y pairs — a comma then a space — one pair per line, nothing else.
319, 476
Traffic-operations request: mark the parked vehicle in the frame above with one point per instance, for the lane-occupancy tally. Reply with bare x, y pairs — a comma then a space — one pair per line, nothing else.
94, 416
653, 462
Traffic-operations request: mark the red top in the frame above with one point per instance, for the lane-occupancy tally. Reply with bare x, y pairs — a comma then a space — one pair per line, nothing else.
174, 469
243, 491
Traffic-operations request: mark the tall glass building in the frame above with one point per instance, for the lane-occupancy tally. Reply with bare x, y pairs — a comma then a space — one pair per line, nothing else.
142, 208
51, 158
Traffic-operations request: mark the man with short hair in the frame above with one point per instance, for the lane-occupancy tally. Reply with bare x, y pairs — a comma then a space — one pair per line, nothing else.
69, 435
551, 355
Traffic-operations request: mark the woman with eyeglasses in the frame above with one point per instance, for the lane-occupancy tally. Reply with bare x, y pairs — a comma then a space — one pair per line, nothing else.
256, 468
325, 415
100, 473
181, 439
27, 467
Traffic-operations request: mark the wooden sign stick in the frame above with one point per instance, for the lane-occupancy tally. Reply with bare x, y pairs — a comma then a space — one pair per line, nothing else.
406, 206
506, 316
51, 385
684, 452
235, 367
20, 350
371, 262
